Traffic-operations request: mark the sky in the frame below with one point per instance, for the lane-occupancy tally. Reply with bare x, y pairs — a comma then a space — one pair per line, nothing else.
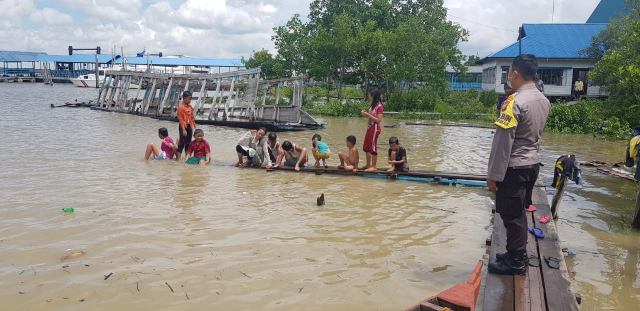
233, 28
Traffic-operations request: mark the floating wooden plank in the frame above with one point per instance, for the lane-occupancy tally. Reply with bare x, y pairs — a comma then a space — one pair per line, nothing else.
498, 289
624, 176
556, 281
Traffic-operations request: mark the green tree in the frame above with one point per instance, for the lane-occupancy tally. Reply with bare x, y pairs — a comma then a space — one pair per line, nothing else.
471, 60
290, 40
617, 70
271, 67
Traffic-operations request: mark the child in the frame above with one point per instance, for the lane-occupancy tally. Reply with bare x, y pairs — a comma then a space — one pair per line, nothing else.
254, 146
350, 161
200, 149
274, 147
294, 155
187, 123
166, 149
373, 131
397, 156
320, 150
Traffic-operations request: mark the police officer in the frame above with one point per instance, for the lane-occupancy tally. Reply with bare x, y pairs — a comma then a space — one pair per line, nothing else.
514, 162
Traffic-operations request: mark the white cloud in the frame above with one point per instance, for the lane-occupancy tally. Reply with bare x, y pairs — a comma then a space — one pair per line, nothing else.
112, 10
11, 11
49, 16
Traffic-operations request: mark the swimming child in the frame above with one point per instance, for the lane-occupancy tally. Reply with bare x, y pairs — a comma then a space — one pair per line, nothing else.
349, 161
200, 149
320, 150
187, 123
397, 156
293, 154
373, 130
166, 149
274, 147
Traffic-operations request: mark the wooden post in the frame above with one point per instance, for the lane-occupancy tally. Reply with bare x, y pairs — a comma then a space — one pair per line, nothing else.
149, 96
557, 197
636, 215
225, 115
102, 89
276, 110
214, 103
134, 105
202, 97
164, 100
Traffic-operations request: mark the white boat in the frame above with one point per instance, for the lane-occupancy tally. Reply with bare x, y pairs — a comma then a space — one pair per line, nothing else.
89, 80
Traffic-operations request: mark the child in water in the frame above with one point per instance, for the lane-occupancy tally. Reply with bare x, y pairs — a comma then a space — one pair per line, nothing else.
374, 115
294, 155
165, 151
320, 150
397, 156
274, 147
200, 149
349, 161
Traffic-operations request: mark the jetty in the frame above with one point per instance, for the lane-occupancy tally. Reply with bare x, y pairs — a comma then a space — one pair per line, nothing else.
543, 288
238, 99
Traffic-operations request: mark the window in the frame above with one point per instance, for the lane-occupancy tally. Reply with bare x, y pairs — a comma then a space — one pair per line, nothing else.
551, 76
505, 74
489, 76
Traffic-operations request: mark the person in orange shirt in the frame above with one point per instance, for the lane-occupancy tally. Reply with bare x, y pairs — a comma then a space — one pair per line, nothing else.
187, 123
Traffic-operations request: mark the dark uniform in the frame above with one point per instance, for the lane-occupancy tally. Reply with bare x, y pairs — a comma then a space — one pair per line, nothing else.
514, 162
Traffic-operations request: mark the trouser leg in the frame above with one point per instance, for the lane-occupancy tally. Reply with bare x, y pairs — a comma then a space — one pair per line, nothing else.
516, 232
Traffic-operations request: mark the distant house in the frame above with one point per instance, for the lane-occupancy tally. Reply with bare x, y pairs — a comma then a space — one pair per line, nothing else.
557, 48
471, 79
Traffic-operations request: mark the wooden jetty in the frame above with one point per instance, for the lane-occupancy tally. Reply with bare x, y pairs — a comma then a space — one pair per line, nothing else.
542, 288
460, 297
448, 178
17, 79
218, 99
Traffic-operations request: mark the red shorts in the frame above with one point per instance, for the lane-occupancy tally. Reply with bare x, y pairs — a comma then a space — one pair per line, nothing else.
371, 139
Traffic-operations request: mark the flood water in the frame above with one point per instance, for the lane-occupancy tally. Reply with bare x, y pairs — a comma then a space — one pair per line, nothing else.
237, 239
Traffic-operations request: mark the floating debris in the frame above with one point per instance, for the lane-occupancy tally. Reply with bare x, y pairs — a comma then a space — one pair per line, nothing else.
108, 276
245, 274
72, 256
171, 288
193, 261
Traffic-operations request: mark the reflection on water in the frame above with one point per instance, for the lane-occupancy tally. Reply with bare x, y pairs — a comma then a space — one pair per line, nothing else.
241, 239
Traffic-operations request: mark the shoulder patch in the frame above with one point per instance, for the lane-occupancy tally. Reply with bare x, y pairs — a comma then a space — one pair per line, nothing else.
506, 119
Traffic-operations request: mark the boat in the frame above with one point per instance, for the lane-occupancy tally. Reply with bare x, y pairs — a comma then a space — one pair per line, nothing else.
463, 296
89, 80
254, 125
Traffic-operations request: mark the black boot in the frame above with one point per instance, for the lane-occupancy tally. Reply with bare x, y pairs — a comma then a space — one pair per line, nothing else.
514, 263
503, 256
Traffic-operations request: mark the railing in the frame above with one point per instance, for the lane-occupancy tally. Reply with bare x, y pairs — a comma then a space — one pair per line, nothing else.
465, 86
70, 73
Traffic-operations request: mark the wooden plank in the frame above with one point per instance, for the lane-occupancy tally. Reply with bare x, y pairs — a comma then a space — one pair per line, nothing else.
187, 76
533, 288
202, 98
498, 289
214, 103
160, 110
557, 287
225, 114
557, 197
134, 106
150, 96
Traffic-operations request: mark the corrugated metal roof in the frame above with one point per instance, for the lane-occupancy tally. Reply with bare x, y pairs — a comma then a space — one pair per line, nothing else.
552, 41
470, 69
169, 61
76, 58
17, 56
606, 10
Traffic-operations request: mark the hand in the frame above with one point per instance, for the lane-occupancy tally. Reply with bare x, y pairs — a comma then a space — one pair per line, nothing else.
253, 131
184, 132
390, 162
297, 168
268, 166
492, 185
364, 113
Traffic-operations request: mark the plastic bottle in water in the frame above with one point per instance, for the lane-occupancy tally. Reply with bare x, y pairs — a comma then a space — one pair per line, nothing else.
68, 209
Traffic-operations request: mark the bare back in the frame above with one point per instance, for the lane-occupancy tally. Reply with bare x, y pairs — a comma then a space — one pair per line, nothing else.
354, 157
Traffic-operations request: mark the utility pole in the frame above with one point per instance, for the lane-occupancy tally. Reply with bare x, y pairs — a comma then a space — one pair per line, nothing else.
520, 40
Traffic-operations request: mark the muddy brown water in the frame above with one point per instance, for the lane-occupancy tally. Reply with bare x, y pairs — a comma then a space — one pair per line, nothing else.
235, 239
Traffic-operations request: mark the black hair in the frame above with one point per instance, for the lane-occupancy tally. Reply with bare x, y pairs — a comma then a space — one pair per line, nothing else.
273, 136
198, 131
163, 131
526, 65
287, 145
186, 94
316, 135
351, 139
393, 140
377, 97
263, 129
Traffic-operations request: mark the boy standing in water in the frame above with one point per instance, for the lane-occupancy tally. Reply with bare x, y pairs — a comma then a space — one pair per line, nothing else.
397, 156
373, 131
320, 150
349, 161
166, 149
187, 123
200, 150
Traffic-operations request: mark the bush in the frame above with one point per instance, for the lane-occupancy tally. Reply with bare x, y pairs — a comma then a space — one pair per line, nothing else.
489, 98
335, 108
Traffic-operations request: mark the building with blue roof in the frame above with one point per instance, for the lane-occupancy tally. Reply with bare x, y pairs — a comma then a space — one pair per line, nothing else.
13, 63
557, 47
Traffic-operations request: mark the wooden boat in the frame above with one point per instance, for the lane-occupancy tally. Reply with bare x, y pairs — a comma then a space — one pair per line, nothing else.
467, 179
462, 297
254, 125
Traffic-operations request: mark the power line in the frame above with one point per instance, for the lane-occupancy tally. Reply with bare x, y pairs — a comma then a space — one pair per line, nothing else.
498, 28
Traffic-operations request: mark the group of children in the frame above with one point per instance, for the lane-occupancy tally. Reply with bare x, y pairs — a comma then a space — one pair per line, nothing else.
271, 153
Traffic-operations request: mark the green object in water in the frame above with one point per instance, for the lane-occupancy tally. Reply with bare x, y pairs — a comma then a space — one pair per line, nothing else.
68, 209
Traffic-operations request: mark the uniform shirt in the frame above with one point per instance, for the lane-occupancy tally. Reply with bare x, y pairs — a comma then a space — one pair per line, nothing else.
401, 153
375, 111
199, 150
323, 147
185, 116
165, 147
519, 128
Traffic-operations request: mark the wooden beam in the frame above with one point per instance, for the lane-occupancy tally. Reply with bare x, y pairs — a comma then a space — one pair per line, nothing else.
636, 216
557, 197
160, 110
214, 103
225, 115
150, 95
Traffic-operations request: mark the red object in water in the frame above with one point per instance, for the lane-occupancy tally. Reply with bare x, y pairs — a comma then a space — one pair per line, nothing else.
460, 297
